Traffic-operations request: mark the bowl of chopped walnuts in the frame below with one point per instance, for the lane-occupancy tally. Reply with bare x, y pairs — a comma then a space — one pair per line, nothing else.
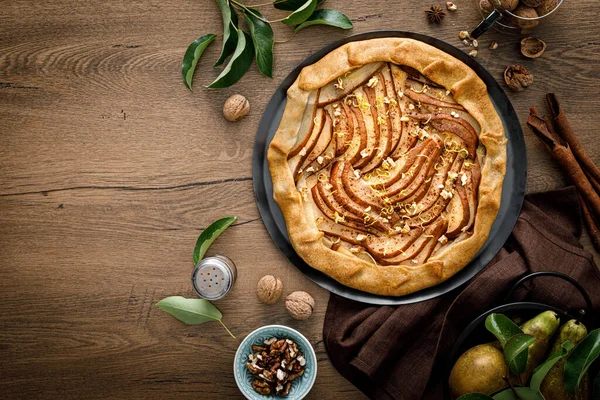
275, 361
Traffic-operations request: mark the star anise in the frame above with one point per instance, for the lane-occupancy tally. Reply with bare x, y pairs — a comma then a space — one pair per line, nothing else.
435, 14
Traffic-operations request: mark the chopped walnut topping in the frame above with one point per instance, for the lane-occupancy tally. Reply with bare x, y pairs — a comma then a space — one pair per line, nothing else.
372, 82
404, 118
357, 173
446, 194
411, 106
355, 249
475, 43
360, 237
473, 53
364, 153
281, 361
493, 45
320, 159
463, 179
303, 152
310, 169
338, 218
452, 175
464, 35
337, 113
368, 209
443, 239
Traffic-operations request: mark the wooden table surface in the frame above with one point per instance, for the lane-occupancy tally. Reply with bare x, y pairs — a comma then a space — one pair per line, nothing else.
110, 168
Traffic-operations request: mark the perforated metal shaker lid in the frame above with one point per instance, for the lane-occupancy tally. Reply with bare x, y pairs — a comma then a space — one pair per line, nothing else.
213, 277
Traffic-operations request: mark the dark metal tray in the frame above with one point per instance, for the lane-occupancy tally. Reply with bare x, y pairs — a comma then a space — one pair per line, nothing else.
513, 189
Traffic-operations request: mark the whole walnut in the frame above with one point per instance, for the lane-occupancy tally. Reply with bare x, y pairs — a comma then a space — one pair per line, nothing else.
546, 7
236, 107
509, 4
526, 25
269, 289
299, 305
517, 77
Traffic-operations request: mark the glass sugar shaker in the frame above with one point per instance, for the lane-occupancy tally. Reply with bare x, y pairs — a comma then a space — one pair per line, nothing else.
213, 277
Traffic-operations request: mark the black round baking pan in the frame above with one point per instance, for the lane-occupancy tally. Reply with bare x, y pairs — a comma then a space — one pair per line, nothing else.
513, 189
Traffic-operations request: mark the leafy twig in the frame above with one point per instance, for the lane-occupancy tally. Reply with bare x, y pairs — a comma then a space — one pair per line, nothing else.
510, 385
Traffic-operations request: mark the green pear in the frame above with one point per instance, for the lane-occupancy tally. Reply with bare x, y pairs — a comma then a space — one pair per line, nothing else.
553, 386
480, 369
542, 328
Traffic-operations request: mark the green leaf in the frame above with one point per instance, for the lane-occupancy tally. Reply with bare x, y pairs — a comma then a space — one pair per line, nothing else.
301, 14
596, 388
501, 327
263, 38
208, 236
191, 57
584, 354
292, 5
191, 311
238, 64
230, 32
524, 393
475, 396
326, 17
540, 372
516, 351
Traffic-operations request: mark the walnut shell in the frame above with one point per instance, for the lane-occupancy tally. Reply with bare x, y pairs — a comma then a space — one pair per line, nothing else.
509, 4
532, 3
532, 47
517, 77
236, 107
546, 7
526, 25
299, 305
269, 289
486, 6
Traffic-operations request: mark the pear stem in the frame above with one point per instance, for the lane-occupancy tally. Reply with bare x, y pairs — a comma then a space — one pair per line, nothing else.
510, 385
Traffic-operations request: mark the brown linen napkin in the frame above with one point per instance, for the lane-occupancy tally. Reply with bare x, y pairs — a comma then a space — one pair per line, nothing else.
400, 352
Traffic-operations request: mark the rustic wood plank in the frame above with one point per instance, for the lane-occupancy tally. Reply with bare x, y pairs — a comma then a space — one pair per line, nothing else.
109, 168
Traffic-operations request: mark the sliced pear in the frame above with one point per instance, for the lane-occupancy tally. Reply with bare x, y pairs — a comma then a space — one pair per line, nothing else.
423, 159
458, 212
473, 174
320, 146
377, 96
331, 93
387, 247
427, 99
311, 114
429, 161
457, 126
425, 243
402, 165
366, 116
393, 109
344, 128
296, 161
452, 164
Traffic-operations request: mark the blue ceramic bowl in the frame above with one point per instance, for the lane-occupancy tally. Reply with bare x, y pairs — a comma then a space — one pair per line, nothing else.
300, 386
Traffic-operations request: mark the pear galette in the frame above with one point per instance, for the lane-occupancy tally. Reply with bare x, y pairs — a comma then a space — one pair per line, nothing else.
388, 165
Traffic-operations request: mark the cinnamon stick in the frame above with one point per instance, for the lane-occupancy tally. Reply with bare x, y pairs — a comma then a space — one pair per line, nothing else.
564, 129
595, 183
590, 222
563, 155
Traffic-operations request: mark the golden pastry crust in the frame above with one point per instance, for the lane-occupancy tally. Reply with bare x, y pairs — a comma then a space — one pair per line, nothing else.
467, 89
